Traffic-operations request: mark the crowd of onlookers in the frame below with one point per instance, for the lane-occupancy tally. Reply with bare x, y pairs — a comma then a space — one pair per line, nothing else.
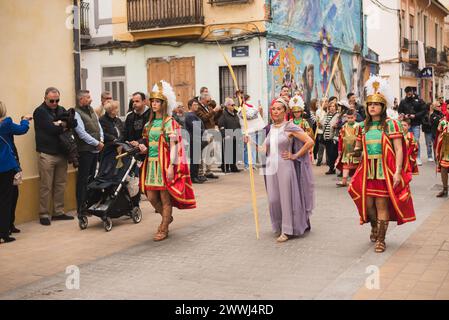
87, 137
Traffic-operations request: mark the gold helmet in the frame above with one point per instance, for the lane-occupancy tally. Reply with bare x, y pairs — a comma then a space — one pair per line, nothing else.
164, 92
377, 91
296, 104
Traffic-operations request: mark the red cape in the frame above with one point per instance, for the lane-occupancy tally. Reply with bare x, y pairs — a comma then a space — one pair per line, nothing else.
438, 146
400, 202
180, 188
412, 154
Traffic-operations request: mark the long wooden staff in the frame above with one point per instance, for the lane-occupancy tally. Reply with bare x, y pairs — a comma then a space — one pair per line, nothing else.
245, 125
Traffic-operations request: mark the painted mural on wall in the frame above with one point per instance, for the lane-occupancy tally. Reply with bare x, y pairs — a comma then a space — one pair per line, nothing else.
318, 29
304, 19
307, 69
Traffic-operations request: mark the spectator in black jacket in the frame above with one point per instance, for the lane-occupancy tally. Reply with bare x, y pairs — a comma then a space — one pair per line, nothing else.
52, 160
436, 114
195, 127
134, 123
414, 109
229, 124
113, 133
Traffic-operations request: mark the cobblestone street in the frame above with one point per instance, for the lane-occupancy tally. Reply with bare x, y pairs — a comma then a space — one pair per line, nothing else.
212, 252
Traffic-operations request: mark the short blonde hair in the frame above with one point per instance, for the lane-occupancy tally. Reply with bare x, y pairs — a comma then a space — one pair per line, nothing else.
2, 110
111, 105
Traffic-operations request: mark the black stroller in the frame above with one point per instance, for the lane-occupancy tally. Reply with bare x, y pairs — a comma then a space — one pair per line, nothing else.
109, 195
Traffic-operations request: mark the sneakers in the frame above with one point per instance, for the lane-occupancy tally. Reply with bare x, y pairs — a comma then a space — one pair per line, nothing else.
430, 160
45, 221
62, 217
419, 162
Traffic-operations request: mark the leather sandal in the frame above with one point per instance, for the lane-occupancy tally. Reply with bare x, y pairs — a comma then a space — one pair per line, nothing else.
382, 227
282, 238
160, 226
161, 235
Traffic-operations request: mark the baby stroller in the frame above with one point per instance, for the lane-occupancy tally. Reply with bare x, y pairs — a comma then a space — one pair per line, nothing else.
109, 194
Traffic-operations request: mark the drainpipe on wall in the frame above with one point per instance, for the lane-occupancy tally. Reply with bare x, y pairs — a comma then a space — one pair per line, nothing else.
76, 45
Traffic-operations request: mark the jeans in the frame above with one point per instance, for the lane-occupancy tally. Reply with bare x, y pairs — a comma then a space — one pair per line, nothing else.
417, 132
429, 144
254, 137
331, 153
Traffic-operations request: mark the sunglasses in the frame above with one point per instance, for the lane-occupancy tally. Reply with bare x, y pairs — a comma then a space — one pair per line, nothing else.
53, 101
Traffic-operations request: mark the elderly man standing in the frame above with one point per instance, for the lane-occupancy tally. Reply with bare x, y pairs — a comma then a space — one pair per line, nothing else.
208, 115
52, 160
89, 140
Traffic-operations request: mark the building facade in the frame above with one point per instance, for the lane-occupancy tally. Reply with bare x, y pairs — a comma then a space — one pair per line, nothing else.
414, 53
37, 52
131, 44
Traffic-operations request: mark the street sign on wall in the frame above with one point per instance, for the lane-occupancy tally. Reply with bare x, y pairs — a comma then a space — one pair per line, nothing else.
426, 73
274, 58
240, 51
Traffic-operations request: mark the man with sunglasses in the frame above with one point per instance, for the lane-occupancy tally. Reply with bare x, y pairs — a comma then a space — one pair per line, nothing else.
52, 160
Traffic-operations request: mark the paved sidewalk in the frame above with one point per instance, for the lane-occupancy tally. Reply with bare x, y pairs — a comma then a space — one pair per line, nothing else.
419, 269
212, 252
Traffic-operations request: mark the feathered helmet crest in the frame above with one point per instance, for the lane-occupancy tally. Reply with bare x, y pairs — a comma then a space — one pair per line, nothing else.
164, 91
378, 91
296, 104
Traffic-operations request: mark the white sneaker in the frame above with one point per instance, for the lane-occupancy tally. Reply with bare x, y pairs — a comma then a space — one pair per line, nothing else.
430, 160
419, 162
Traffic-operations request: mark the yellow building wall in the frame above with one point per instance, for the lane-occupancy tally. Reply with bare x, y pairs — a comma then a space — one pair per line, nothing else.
36, 52
434, 15
251, 15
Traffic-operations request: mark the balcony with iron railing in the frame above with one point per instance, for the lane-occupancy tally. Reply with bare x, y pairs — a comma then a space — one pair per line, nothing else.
84, 19
145, 15
224, 2
431, 55
411, 47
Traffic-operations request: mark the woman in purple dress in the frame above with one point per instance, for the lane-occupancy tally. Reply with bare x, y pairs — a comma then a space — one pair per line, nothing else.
289, 177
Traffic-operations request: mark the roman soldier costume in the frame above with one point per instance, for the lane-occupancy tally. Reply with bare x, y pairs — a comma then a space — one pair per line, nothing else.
412, 153
374, 176
442, 153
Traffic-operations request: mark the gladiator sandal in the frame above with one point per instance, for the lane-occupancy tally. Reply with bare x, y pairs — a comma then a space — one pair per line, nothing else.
382, 227
162, 231
443, 193
374, 230
160, 226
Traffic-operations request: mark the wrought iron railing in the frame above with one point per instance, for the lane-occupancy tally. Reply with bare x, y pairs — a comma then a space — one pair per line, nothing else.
413, 49
84, 18
150, 14
227, 1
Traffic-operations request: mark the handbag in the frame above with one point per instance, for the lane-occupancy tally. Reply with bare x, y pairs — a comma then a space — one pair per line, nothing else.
18, 177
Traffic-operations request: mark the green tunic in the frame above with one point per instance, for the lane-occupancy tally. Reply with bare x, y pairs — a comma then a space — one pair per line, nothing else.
154, 172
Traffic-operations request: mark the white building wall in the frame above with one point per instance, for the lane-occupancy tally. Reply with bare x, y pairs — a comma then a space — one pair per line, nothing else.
208, 59
383, 36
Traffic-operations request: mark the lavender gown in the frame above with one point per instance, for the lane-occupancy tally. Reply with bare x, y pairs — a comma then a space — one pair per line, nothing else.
290, 184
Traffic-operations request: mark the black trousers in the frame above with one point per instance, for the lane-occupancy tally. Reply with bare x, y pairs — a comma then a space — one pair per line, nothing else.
331, 153
15, 198
229, 160
6, 201
86, 173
